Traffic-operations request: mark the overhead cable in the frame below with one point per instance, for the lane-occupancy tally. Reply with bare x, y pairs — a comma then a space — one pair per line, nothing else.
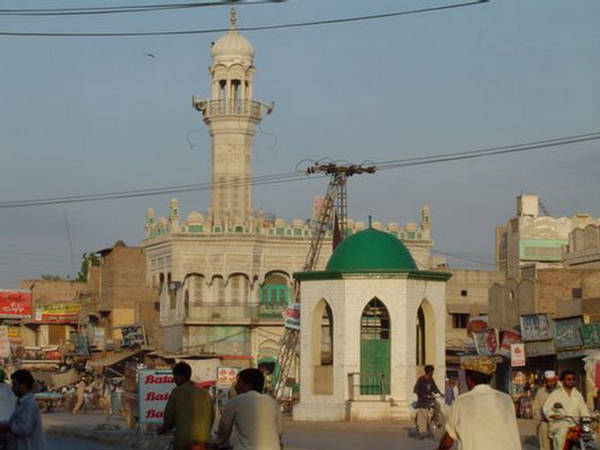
125, 9
287, 177
255, 28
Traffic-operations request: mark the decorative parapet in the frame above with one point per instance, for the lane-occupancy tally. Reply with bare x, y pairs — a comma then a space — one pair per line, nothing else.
198, 224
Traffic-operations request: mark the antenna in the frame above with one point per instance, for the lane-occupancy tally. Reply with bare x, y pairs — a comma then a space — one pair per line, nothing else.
70, 244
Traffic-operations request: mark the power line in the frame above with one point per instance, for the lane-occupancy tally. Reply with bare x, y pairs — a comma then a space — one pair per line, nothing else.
255, 28
125, 9
288, 177
464, 258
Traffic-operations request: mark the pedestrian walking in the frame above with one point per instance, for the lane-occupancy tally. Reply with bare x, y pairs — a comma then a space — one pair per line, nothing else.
189, 410
7, 398
25, 423
550, 384
80, 395
426, 389
449, 392
482, 418
571, 404
255, 417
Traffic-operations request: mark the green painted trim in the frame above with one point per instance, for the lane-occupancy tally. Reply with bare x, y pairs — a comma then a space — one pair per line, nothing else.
409, 274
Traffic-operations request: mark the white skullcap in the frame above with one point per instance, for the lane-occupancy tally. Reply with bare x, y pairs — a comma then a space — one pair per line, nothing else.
549, 374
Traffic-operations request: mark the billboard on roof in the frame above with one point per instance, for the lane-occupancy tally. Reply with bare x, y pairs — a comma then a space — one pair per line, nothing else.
15, 304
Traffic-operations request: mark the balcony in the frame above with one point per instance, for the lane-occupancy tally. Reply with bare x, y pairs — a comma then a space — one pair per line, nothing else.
230, 107
229, 313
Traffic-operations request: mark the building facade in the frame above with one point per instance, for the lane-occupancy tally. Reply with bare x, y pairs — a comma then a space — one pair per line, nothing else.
533, 239
583, 250
224, 276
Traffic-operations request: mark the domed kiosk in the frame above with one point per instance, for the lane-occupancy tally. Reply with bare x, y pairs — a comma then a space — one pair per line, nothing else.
369, 323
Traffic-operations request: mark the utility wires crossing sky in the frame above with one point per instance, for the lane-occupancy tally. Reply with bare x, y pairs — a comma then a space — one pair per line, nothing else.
255, 28
288, 177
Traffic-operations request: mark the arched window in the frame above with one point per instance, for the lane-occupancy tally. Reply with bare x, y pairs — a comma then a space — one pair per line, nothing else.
238, 289
274, 294
420, 337
375, 349
218, 285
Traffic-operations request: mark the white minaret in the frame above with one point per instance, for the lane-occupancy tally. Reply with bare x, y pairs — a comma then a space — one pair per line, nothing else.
232, 117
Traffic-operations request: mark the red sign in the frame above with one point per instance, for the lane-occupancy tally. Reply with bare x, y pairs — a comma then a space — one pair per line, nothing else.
15, 305
509, 338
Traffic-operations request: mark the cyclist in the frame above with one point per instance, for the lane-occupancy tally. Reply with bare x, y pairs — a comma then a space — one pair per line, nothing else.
426, 389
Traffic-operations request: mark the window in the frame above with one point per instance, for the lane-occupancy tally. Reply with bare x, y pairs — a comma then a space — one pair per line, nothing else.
577, 293
195, 228
460, 321
464, 293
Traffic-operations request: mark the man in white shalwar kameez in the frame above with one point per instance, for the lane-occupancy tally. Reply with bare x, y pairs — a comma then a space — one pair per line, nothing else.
483, 418
573, 405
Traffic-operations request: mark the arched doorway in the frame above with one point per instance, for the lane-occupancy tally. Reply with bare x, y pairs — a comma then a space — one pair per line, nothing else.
426, 344
375, 348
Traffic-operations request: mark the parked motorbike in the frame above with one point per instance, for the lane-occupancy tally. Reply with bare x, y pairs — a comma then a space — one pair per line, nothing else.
580, 435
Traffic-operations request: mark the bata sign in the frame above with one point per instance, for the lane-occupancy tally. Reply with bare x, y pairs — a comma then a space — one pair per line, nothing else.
155, 386
15, 305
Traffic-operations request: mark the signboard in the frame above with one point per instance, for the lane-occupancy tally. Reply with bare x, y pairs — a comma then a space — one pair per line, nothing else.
58, 313
540, 348
204, 371
486, 342
14, 335
570, 354
517, 355
154, 388
226, 376
508, 339
541, 249
478, 323
292, 316
536, 327
591, 335
567, 333
133, 335
4, 343
15, 305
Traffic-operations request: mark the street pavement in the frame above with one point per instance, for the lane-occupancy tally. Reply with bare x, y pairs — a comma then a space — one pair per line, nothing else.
56, 443
298, 435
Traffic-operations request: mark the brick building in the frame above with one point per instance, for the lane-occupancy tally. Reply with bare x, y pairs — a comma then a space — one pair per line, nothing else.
120, 296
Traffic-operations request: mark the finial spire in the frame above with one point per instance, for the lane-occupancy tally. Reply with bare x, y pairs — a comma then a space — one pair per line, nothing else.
232, 19
370, 221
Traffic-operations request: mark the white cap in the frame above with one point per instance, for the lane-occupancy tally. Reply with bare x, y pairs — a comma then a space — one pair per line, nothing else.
549, 374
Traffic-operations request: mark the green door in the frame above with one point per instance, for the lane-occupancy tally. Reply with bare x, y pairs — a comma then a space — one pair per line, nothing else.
374, 361
375, 349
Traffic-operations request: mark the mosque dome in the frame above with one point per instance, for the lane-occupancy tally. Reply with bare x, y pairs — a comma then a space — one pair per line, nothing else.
371, 250
233, 45
194, 218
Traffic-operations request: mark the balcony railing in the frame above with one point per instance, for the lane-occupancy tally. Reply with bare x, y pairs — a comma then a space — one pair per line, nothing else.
362, 384
231, 107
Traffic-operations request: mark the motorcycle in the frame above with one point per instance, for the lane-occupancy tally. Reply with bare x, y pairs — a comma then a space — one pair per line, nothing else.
580, 435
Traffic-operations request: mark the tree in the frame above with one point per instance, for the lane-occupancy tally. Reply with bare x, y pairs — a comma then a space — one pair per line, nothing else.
87, 260
51, 277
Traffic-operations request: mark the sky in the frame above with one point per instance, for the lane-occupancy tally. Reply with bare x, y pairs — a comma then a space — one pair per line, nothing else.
91, 115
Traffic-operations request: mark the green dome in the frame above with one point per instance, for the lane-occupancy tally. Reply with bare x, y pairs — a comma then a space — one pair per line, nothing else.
371, 250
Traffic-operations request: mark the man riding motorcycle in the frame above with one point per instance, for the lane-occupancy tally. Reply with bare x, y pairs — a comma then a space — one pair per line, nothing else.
563, 406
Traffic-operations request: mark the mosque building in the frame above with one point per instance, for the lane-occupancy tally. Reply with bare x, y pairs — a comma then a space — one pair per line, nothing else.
225, 275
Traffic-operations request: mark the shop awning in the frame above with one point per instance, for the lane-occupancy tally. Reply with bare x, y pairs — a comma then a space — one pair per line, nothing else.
112, 359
